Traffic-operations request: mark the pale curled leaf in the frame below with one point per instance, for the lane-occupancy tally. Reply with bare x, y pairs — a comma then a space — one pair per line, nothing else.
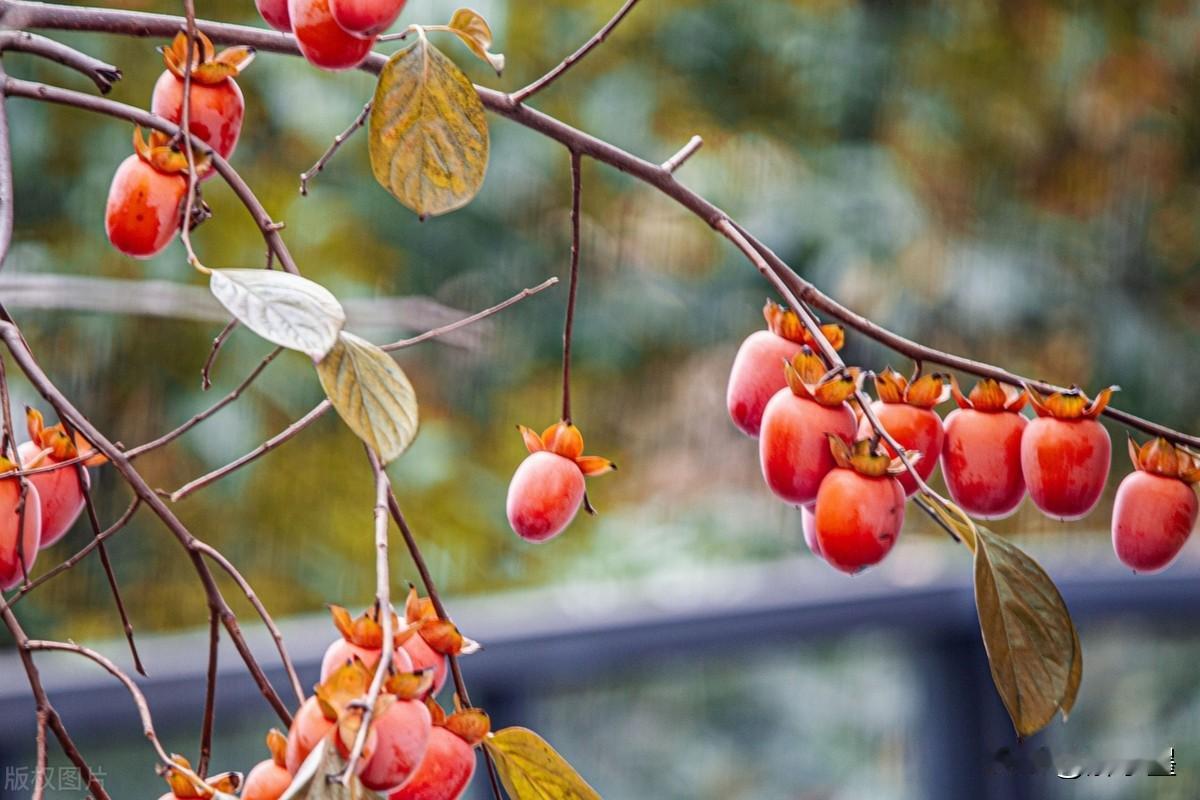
531, 769
283, 308
476, 34
309, 782
372, 394
1030, 639
427, 134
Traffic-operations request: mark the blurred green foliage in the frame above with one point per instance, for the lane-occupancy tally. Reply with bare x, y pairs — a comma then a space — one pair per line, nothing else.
1013, 181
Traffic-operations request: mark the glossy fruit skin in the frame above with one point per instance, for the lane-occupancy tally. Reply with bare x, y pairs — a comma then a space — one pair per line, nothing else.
808, 523
144, 208
1152, 519
322, 41
445, 771
914, 428
858, 518
275, 14
309, 727
1065, 463
340, 651
216, 113
981, 461
792, 449
366, 17
757, 375
425, 657
60, 493
403, 736
10, 522
545, 494
267, 781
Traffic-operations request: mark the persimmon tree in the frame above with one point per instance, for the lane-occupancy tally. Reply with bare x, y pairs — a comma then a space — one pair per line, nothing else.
372, 726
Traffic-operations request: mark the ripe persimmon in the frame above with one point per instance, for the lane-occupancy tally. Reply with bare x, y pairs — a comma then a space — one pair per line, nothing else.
1156, 506
905, 409
1065, 453
860, 506
981, 455
322, 41
547, 489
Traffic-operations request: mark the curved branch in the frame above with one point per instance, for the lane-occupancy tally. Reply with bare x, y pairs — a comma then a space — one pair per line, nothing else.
102, 74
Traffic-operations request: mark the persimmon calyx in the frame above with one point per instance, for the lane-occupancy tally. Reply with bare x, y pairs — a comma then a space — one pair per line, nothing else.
922, 391
183, 786
867, 457
989, 395
345, 686
54, 439
208, 66
1160, 457
786, 323
277, 744
472, 725
1071, 403
158, 151
364, 630
564, 439
441, 635
409, 685
807, 377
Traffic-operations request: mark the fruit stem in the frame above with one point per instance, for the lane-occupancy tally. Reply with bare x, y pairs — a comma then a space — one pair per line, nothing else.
573, 286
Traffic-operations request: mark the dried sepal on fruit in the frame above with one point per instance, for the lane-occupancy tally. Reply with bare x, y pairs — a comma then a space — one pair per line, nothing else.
184, 786
208, 66
365, 630
56, 440
786, 323
472, 725
566, 440
807, 377
159, 151
1070, 403
989, 395
415, 685
441, 635
905, 410
269, 779
1160, 457
922, 391
867, 457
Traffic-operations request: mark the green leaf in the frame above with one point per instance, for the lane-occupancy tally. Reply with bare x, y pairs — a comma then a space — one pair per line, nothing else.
1032, 646
372, 394
531, 769
428, 136
309, 782
476, 34
282, 308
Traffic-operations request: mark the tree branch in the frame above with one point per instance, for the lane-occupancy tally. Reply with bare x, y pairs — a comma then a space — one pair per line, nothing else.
572, 287
98, 72
334, 146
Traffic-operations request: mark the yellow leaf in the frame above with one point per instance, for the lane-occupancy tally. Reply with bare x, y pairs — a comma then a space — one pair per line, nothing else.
428, 135
473, 29
371, 393
530, 769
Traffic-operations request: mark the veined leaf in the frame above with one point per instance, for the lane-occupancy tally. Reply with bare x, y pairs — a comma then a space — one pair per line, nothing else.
428, 136
309, 782
372, 394
1032, 646
531, 769
476, 34
282, 308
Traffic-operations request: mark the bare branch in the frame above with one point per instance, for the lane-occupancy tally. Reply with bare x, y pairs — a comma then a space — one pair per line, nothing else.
521, 95
218, 343
193, 179
336, 145
210, 695
102, 74
572, 286
687, 151
6, 179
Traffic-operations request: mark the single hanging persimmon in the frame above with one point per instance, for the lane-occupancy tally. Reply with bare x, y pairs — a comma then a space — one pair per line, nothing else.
792, 449
322, 41
1065, 452
269, 779
362, 637
146, 199
182, 787
18, 543
59, 490
1156, 506
981, 455
449, 763
217, 107
757, 373
547, 489
366, 17
905, 409
860, 506
402, 732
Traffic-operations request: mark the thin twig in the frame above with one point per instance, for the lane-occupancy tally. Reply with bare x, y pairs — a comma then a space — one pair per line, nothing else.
102, 74
687, 151
218, 343
336, 145
210, 695
6, 179
254, 600
572, 287
521, 95
39, 773
193, 180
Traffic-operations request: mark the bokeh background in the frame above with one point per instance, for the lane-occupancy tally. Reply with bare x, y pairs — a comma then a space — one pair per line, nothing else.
1013, 181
